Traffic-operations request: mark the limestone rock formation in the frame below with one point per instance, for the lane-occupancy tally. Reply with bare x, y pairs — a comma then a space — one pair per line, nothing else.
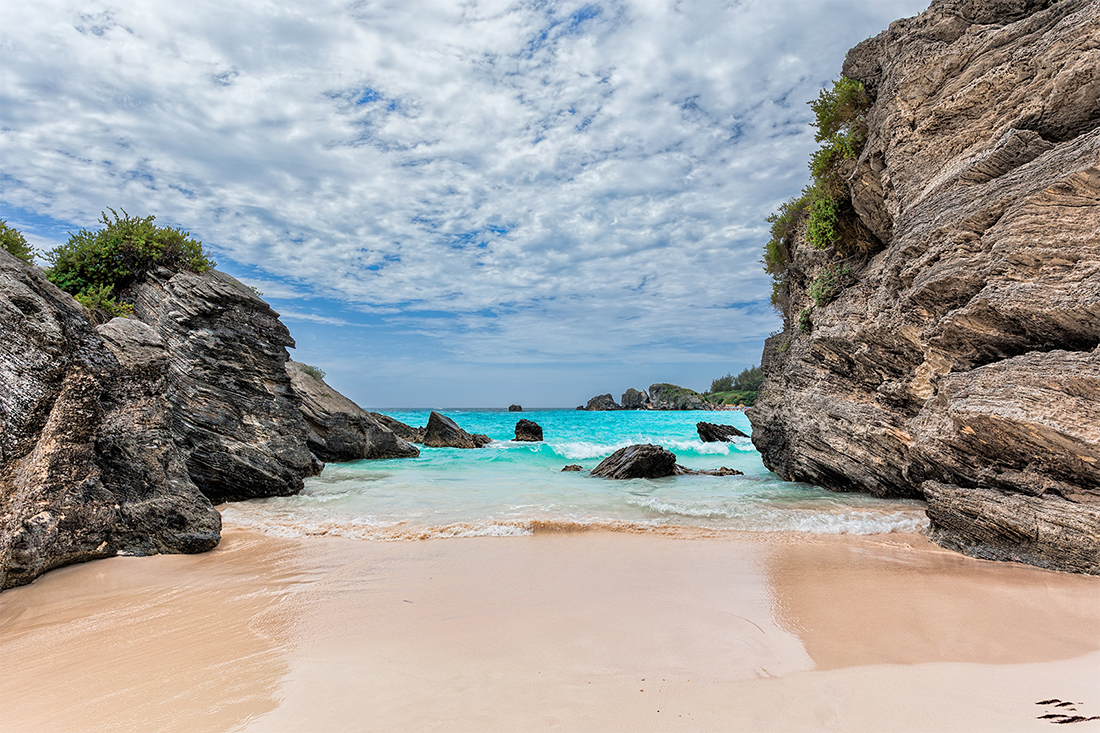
632, 399
637, 461
234, 412
528, 430
723, 471
88, 463
515, 408
712, 433
340, 430
443, 432
573, 467
960, 365
602, 402
400, 429
664, 396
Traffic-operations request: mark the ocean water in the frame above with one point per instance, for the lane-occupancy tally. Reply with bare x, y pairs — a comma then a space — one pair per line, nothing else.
511, 488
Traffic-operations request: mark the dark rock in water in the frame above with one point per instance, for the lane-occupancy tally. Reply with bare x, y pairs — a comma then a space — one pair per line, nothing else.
443, 432
88, 464
573, 467
515, 408
711, 433
340, 430
602, 402
233, 410
663, 396
580, 407
959, 361
634, 400
637, 461
723, 471
400, 429
528, 430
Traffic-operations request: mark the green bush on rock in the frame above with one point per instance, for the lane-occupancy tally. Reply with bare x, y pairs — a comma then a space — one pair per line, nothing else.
93, 266
12, 240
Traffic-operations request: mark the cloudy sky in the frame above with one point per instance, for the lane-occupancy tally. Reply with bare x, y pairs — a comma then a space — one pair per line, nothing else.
451, 203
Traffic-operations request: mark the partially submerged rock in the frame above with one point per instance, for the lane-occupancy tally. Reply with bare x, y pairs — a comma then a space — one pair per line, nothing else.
528, 430
637, 461
443, 432
340, 430
573, 467
602, 402
89, 466
515, 408
712, 433
723, 471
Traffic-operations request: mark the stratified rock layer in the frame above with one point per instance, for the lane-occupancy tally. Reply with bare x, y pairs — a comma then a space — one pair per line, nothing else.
340, 430
88, 464
234, 412
664, 396
711, 433
962, 365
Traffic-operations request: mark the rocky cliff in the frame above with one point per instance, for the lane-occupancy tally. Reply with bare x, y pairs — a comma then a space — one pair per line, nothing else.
89, 467
234, 411
959, 360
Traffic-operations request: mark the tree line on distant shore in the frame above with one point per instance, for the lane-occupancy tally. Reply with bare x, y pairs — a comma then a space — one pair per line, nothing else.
737, 390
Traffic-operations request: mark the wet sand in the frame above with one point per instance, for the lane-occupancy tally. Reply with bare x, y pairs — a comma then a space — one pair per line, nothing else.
591, 631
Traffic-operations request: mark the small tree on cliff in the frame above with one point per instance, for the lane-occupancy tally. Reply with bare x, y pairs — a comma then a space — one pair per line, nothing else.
93, 266
12, 241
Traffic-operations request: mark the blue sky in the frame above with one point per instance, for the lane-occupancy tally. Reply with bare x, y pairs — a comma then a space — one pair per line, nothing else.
450, 203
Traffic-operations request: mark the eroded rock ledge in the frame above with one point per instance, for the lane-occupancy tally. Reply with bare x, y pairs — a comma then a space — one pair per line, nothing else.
962, 366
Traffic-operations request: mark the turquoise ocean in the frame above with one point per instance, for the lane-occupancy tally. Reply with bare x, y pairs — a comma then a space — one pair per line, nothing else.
513, 488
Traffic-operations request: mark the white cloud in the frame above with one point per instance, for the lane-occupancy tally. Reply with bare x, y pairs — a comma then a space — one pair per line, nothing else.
569, 179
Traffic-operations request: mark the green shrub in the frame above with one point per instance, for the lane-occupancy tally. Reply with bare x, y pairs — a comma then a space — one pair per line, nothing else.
12, 240
827, 284
99, 296
805, 320
96, 265
313, 371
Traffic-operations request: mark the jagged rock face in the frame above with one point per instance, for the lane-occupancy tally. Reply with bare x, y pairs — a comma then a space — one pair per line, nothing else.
515, 408
88, 465
602, 402
234, 412
443, 432
962, 366
637, 461
528, 430
340, 430
632, 399
400, 429
711, 433
673, 397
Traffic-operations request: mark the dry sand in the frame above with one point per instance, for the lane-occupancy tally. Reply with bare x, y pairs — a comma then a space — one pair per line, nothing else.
586, 631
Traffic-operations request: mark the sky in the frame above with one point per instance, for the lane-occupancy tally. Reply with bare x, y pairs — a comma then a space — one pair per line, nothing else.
451, 204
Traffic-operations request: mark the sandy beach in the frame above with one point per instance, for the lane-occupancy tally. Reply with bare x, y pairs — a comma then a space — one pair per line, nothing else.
594, 631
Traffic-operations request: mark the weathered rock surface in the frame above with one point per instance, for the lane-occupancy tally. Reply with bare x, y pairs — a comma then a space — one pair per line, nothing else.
602, 402
400, 429
962, 365
528, 430
664, 396
637, 461
573, 467
88, 464
712, 433
723, 471
632, 399
340, 430
234, 413
515, 408
443, 432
